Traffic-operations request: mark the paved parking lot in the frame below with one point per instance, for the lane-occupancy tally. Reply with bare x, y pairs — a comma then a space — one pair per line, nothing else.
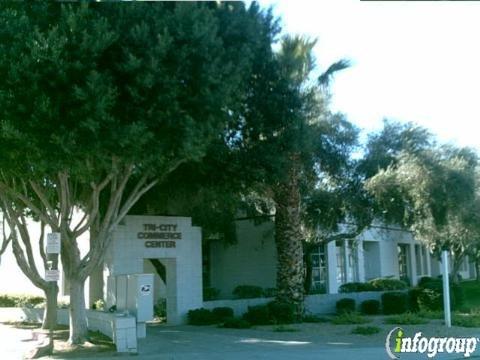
210, 343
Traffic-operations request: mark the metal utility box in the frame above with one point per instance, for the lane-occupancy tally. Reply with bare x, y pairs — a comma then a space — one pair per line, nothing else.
140, 296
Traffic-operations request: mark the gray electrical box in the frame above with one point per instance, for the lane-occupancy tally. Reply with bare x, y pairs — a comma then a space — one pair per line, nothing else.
140, 296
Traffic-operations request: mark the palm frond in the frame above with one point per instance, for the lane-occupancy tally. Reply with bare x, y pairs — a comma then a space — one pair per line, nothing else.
325, 78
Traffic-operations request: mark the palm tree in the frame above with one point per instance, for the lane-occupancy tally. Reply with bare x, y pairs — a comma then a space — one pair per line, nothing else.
303, 105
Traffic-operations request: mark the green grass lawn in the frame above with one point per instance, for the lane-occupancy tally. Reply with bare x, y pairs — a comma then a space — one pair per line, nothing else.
471, 290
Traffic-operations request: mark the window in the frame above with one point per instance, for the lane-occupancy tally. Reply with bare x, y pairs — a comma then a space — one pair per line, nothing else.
319, 268
341, 275
352, 263
402, 261
424, 257
421, 260
206, 264
418, 259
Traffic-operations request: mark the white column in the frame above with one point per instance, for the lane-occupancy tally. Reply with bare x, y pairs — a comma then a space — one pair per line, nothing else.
332, 287
429, 263
360, 261
345, 260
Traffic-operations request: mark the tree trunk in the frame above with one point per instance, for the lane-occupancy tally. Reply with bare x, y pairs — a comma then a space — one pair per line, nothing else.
456, 263
50, 315
308, 249
288, 240
77, 312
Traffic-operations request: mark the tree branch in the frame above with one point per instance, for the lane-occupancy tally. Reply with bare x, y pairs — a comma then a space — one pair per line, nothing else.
43, 199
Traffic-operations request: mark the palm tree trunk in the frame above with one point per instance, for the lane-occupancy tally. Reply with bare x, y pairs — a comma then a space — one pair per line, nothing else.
288, 240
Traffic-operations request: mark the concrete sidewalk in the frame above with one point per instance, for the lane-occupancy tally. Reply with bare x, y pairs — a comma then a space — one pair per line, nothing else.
15, 343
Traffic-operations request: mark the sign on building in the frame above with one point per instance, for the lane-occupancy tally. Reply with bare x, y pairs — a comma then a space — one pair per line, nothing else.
53, 243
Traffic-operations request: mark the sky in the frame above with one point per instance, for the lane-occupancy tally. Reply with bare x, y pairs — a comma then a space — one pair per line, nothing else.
411, 61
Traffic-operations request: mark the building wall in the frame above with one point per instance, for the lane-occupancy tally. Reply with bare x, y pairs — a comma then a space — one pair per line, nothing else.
250, 261
131, 245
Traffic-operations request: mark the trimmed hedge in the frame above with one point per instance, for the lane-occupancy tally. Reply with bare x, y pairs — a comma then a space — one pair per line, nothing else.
200, 317
258, 315
247, 292
272, 313
281, 313
236, 323
355, 287
204, 316
412, 297
345, 305
384, 284
222, 313
394, 302
370, 307
379, 284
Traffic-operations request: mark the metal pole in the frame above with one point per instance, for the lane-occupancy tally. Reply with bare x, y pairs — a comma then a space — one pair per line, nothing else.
446, 289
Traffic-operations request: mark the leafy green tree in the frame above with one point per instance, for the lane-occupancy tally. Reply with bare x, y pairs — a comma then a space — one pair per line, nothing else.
101, 102
436, 190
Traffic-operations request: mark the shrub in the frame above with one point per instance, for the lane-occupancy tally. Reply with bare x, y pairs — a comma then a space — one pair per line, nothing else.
431, 295
236, 323
428, 314
222, 313
210, 293
28, 301
366, 330
412, 298
355, 287
385, 284
406, 319
200, 317
471, 321
258, 315
394, 302
99, 305
7, 301
281, 313
247, 292
370, 307
424, 280
160, 308
345, 305
349, 318
430, 299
